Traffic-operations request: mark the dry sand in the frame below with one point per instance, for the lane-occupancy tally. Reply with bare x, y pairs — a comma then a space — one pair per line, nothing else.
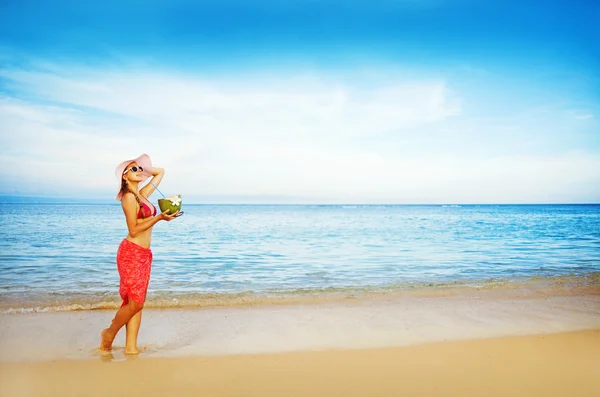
564, 364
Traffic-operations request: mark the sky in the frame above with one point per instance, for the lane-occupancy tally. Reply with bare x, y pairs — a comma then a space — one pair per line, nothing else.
392, 101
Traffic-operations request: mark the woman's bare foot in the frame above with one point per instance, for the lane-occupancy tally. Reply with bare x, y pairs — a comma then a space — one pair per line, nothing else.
131, 351
107, 340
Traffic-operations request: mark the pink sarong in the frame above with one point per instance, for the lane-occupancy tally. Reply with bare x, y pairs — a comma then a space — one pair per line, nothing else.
134, 263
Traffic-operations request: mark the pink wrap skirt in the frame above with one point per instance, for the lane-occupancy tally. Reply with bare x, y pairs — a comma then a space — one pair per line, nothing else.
134, 264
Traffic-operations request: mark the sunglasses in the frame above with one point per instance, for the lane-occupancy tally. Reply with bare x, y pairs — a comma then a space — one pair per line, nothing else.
134, 169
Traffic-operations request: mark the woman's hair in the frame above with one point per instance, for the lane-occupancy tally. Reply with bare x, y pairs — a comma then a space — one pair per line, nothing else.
125, 189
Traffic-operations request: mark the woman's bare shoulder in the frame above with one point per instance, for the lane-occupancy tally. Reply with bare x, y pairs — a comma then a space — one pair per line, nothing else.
128, 199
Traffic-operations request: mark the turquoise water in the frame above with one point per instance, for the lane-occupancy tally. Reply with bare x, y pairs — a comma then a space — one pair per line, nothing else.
63, 256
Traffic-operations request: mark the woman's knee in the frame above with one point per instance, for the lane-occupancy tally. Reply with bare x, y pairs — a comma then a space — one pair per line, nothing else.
135, 306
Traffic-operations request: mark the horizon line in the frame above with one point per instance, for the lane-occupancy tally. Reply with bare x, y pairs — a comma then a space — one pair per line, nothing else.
6, 199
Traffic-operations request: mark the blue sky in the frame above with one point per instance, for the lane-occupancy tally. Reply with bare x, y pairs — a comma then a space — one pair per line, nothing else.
402, 101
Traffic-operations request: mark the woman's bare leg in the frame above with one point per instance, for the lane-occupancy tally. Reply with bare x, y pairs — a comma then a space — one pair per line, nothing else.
124, 314
132, 328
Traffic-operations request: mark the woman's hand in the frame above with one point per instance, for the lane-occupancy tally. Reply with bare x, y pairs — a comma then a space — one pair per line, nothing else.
166, 217
156, 171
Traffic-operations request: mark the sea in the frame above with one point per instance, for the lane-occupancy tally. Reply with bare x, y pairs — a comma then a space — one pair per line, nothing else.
62, 257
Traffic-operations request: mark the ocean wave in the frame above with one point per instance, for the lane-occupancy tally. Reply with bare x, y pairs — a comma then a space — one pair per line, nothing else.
589, 283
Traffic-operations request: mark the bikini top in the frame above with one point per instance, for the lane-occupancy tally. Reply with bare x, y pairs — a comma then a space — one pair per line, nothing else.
145, 211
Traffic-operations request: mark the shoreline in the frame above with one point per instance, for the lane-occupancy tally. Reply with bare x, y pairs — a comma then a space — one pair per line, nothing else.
361, 323
564, 285
556, 364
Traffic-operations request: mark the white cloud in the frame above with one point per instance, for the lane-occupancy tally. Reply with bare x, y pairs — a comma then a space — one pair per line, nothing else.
268, 106
294, 135
585, 116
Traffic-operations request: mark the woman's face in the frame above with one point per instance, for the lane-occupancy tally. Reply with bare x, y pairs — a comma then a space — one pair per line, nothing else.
132, 176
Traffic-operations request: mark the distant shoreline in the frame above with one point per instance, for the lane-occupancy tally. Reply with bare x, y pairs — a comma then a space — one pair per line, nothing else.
241, 202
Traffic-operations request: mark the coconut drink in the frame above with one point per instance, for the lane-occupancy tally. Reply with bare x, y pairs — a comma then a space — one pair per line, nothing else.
173, 204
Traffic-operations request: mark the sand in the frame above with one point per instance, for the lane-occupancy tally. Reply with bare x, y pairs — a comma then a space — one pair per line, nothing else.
564, 364
474, 343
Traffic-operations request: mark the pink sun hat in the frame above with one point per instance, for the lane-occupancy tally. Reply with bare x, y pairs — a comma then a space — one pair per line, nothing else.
143, 161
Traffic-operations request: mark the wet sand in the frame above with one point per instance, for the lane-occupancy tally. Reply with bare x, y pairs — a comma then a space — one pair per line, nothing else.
384, 321
564, 364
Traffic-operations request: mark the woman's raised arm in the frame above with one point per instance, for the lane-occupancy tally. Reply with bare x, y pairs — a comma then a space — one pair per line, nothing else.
157, 176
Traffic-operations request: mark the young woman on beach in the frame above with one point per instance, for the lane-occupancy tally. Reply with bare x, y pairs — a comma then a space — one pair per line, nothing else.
134, 257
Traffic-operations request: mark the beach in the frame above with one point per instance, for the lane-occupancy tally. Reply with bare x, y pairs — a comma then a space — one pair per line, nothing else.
564, 364
504, 341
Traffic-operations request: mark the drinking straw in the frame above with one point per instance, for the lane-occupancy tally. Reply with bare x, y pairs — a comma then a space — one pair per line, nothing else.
158, 190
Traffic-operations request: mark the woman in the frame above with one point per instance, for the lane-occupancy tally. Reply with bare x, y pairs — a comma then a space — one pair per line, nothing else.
134, 257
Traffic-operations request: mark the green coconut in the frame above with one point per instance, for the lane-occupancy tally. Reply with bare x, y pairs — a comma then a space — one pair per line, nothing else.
173, 204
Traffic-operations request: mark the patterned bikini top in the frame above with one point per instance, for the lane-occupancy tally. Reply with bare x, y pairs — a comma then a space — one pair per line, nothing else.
145, 211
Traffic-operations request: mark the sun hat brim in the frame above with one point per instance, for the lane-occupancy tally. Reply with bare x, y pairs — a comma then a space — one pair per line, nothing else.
144, 161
